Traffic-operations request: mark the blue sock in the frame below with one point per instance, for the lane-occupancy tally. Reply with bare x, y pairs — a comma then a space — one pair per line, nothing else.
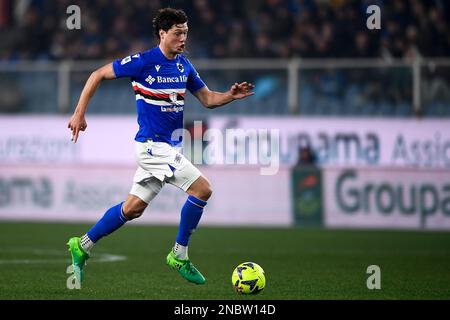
190, 216
111, 221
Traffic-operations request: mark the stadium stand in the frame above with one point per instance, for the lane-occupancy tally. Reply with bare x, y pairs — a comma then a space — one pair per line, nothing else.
304, 29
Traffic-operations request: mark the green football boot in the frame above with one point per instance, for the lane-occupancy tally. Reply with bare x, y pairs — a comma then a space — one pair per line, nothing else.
79, 257
185, 268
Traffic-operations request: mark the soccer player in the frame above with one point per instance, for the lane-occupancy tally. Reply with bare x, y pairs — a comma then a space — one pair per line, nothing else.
160, 77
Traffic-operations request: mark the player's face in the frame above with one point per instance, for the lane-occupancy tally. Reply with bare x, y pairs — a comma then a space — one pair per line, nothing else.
175, 38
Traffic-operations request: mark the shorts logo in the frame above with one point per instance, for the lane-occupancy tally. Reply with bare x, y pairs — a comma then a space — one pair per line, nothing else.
177, 159
180, 67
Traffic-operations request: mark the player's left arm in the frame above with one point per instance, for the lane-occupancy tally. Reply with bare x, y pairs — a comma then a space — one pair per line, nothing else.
212, 99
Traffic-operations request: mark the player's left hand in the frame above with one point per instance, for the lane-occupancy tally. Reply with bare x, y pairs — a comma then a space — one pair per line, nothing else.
76, 124
241, 90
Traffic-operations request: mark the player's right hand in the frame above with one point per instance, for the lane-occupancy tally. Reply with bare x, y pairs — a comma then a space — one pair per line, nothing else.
76, 124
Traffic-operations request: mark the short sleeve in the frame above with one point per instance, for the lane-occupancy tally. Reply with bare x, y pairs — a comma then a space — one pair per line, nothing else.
194, 81
129, 66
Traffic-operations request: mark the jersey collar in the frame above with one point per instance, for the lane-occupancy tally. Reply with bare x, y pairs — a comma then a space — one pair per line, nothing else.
158, 49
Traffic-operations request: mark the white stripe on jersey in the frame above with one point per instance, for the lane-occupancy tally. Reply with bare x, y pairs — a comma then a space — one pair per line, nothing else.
167, 91
159, 102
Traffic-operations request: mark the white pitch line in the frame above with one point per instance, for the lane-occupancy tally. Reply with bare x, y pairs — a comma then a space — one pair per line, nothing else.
98, 257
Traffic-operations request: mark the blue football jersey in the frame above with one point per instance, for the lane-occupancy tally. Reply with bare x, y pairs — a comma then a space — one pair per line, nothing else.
159, 85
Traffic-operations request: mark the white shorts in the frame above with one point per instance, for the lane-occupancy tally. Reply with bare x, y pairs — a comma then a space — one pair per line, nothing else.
159, 163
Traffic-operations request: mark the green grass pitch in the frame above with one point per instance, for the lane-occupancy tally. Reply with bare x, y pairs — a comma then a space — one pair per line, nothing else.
299, 263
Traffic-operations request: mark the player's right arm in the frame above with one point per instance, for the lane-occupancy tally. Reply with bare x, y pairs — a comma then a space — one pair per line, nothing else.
77, 122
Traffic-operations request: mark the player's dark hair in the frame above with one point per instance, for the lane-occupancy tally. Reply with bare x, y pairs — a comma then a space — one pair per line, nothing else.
166, 18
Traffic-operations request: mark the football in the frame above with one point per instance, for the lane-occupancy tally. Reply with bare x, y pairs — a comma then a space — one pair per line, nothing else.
248, 277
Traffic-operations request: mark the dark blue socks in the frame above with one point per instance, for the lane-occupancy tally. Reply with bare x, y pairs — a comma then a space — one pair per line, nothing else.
111, 221
190, 217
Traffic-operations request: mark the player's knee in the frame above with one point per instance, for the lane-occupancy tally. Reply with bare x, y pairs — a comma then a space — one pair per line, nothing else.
205, 192
201, 189
131, 212
208, 192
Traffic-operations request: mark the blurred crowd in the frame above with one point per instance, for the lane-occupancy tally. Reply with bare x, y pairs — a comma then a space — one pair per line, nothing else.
36, 29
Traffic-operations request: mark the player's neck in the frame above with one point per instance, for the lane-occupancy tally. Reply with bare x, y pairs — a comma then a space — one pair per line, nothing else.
169, 55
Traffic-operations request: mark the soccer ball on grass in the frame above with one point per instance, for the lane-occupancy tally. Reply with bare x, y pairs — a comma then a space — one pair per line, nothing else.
248, 277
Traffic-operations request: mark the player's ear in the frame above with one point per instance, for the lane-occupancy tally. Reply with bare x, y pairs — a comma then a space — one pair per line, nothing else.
161, 34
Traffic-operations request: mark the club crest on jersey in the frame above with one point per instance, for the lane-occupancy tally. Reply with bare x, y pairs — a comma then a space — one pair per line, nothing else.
173, 97
180, 67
